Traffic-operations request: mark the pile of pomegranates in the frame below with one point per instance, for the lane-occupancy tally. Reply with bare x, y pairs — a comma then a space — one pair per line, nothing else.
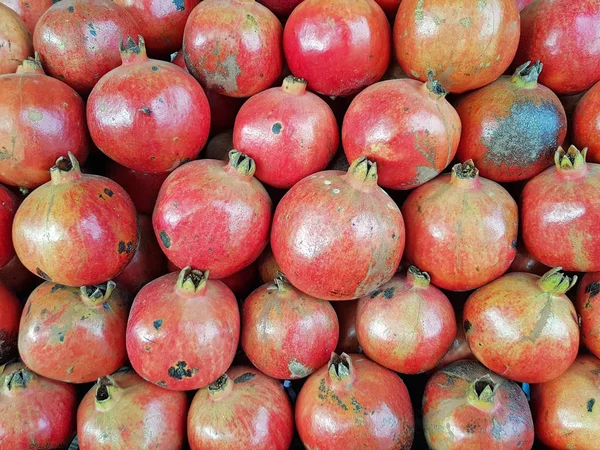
299, 224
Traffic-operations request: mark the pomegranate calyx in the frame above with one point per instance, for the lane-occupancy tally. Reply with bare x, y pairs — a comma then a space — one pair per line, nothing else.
340, 366
281, 282
107, 391
131, 51
220, 385
294, 85
190, 280
572, 159
481, 392
18, 379
65, 170
363, 171
418, 277
435, 87
98, 294
241, 163
554, 282
31, 65
526, 75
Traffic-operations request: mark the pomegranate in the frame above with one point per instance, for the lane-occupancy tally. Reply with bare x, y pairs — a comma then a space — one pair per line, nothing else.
78, 40
512, 127
523, 326
461, 228
18, 279
35, 412
213, 215
586, 123
354, 403
281, 7
289, 132
42, 119
459, 349
268, 268
241, 392
559, 34
560, 210
338, 47
8, 208
467, 406
346, 314
219, 146
407, 127
183, 330
9, 324
15, 41
233, 47
29, 11
525, 262
587, 309
464, 44
124, 411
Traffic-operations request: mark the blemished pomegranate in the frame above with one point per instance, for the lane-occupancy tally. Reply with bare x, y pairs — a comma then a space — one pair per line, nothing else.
35, 412
463, 44
354, 403
523, 326
407, 127
281, 7
16, 44
233, 47
346, 313
18, 279
29, 11
8, 209
43, 119
461, 229
268, 269
586, 123
124, 411
558, 34
289, 132
213, 215
77, 229
525, 262
183, 330
406, 324
560, 210
587, 306
241, 392
337, 235
338, 47
468, 406
88, 46
512, 127
9, 323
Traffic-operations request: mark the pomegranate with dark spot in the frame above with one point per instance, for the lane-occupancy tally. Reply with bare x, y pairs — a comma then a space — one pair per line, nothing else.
346, 313
16, 43
9, 324
586, 123
587, 306
29, 11
8, 208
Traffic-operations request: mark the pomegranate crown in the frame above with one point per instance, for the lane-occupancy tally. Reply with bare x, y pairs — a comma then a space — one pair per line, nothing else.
99, 293
527, 74
434, 86
191, 280
242, 163
571, 159
554, 282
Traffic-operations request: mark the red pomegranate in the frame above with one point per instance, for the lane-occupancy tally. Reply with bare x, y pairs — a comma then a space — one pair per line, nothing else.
525, 262
77, 229
565, 410
289, 132
337, 235
560, 210
560, 35
35, 412
466, 406
524, 327
406, 324
78, 40
512, 127
213, 215
233, 47
183, 330
8, 208
346, 314
268, 268
461, 228
464, 44
354, 403
18, 279
281, 7
587, 308
29, 11
407, 127
9, 323
338, 47
242, 392
459, 349
15, 41
586, 123
43, 119
124, 411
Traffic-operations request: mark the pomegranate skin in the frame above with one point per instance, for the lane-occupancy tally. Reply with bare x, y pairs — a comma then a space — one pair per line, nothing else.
337, 235
346, 313
560, 210
124, 411
233, 47
289, 132
88, 47
268, 269
16, 43
35, 410
29, 11
77, 229
282, 8
459, 349
523, 326
183, 330
587, 306
213, 215
42, 119
561, 35
18, 279
461, 229
338, 47
9, 324
8, 208
466, 406
421, 134
586, 123
512, 127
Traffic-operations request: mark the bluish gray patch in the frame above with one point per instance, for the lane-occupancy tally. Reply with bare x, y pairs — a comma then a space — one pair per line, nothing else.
179, 5
92, 29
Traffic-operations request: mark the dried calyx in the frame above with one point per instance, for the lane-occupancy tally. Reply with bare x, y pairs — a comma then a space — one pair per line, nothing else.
31, 65
219, 385
435, 87
340, 366
20, 378
132, 51
65, 169
294, 85
418, 276
483, 389
281, 283
363, 170
98, 293
555, 282
527, 74
241, 163
191, 280
465, 171
572, 159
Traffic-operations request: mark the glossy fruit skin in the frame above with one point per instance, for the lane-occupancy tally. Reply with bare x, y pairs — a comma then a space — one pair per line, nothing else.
371, 396
407, 127
179, 338
465, 44
537, 338
456, 418
90, 31
233, 47
42, 120
407, 324
16, 43
586, 123
30, 12
8, 208
560, 34
346, 313
35, 410
9, 324
461, 228
136, 415
586, 305
289, 132
511, 127
281, 7
323, 45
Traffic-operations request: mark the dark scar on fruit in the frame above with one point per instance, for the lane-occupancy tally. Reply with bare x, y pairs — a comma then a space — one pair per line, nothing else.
276, 128
146, 110
180, 371
128, 248
108, 192
157, 324
161, 383
243, 378
590, 404
593, 289
376, 292
467, 326
57, 287
166, 240
389, 293
42, 274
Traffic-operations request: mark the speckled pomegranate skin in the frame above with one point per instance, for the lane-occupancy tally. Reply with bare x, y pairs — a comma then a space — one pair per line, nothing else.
29, 11
586, 123
15, 40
